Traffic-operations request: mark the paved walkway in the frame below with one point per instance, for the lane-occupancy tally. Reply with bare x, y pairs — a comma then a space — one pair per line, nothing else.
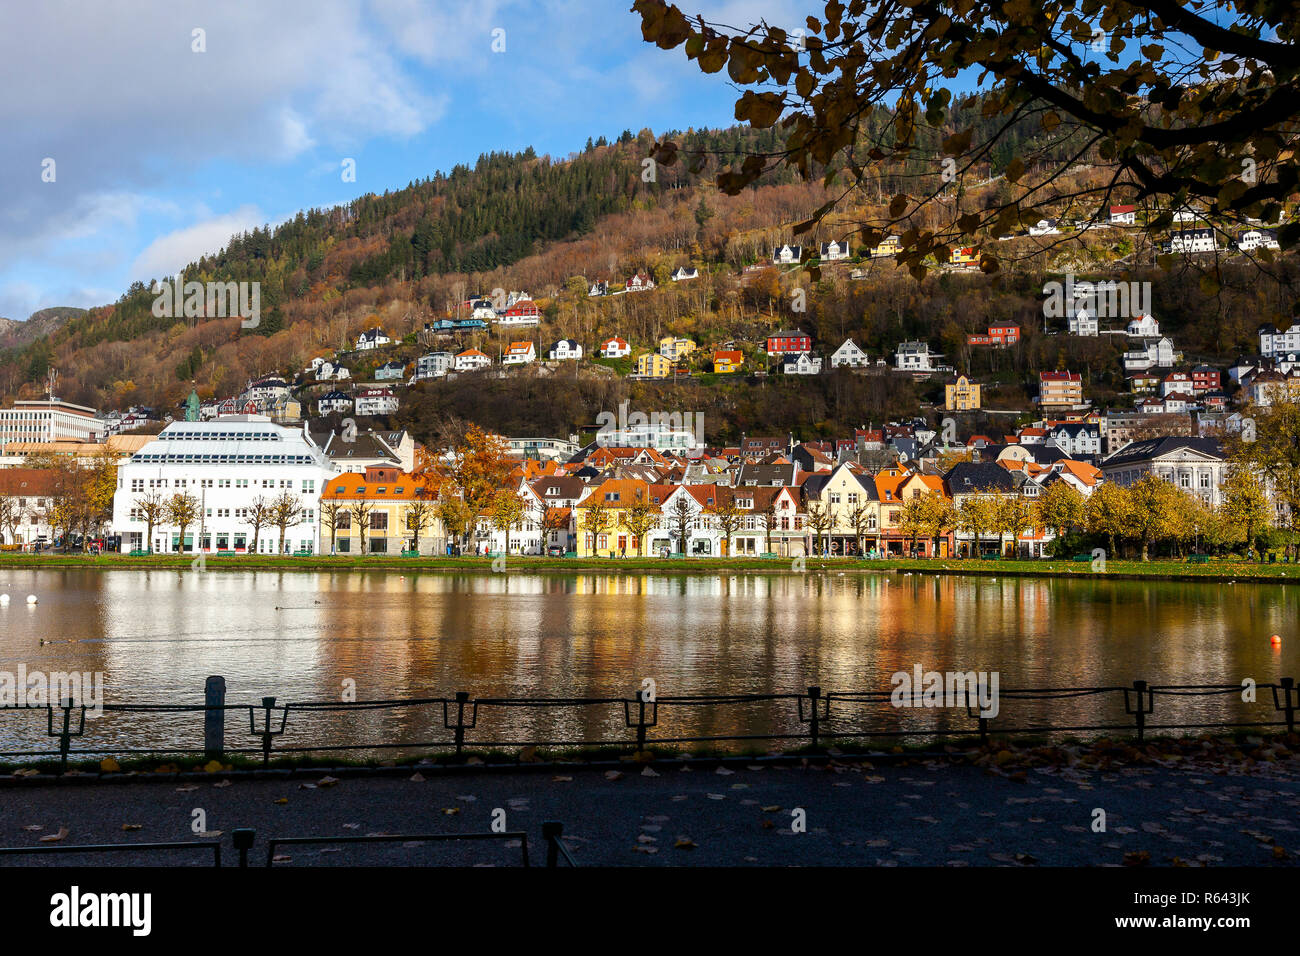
928, 812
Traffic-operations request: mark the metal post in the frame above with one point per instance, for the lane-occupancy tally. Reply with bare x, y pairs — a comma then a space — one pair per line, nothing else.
214, 717
65, 737
1288, 684
243, 840
814, 694
461, 698
551, 832
1140, 687
640, 721
267, 704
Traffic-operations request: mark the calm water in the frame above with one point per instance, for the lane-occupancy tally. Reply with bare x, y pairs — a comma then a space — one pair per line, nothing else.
156, 636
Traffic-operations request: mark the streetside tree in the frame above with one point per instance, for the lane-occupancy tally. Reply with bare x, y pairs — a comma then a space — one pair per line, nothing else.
182, 511
152, 508
286, 513
640, 518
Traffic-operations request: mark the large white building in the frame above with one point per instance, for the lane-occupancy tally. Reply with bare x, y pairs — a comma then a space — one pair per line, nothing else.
45, 420
225, 465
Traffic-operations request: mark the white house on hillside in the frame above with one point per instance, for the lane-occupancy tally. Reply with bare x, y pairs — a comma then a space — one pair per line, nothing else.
615, 348
802, 364
565, 349
376, 401
849, 354
915, 357
372, 339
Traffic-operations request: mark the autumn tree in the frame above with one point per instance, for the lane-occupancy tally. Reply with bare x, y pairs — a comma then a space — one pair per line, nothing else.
182, 511
726, 515
332, 513
1153, 511
554, 519
259, 516
1014, 516
595, 521
456, 518
1109, 514
479, 468
286, 513
975, 515
11, 515
1269, 444
1061, 507
506, 511
152, 508
1245, 505
912, 519
640, 518
420, 514
938, 518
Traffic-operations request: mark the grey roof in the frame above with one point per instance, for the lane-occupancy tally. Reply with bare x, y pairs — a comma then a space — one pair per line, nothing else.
968, 477
1147, 449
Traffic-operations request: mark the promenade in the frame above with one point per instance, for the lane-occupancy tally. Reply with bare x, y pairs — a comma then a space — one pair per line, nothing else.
936, 812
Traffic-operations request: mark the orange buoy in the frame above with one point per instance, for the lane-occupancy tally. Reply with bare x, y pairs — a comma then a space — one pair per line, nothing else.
1276, 639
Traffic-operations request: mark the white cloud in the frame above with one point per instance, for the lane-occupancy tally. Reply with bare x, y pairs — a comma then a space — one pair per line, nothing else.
167, 254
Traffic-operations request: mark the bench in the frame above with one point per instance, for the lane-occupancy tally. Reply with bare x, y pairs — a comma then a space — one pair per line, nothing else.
1198, 559
1082, 557
138, 553
302, 554
769, 555
226, 554
410, 554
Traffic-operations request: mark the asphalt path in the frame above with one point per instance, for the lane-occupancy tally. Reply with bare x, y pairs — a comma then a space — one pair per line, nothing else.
933, 812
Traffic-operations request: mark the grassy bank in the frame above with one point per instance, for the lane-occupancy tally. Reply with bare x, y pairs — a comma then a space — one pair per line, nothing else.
1164, 569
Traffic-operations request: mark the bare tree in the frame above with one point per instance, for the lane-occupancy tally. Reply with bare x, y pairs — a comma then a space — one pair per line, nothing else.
286, 513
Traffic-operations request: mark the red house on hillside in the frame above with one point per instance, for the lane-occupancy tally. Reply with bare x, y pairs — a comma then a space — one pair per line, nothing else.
999, 335
788, 343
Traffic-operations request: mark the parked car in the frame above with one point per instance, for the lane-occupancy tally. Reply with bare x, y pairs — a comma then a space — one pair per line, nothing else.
555, 551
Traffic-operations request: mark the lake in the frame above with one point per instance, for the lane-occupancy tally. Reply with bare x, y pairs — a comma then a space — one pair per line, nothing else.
157, 635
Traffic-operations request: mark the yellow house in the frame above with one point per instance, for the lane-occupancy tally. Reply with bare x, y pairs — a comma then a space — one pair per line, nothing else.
675, 349
965, 256
962, 395
727, 361
888, 247
372, 514
601, 518
653, 365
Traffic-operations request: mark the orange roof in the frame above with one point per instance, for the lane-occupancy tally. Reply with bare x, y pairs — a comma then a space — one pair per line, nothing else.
352, 486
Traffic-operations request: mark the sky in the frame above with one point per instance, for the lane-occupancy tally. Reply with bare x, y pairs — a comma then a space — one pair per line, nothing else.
138, 135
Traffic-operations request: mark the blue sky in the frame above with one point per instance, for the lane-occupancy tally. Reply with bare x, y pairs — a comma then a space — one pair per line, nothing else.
161, 152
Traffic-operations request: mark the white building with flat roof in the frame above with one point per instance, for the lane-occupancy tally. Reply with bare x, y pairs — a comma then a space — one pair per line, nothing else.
226, 466
49, 420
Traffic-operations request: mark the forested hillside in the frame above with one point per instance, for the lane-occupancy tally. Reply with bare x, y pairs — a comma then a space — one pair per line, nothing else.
550, 227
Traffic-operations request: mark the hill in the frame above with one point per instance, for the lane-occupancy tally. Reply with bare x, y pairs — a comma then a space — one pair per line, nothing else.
551, 227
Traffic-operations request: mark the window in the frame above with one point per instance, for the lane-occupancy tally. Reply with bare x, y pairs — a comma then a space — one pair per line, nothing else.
379, 521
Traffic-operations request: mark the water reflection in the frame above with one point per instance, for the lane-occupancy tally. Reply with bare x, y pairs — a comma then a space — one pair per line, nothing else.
299, 636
